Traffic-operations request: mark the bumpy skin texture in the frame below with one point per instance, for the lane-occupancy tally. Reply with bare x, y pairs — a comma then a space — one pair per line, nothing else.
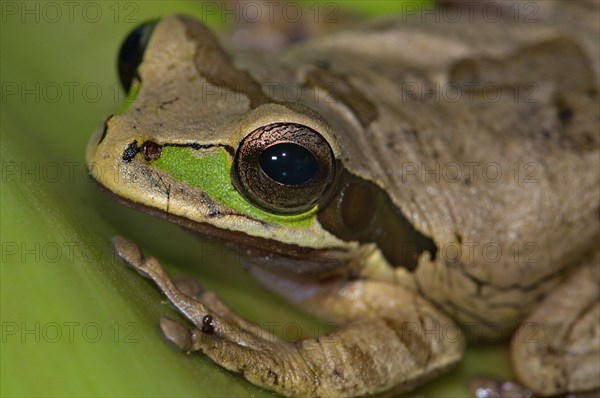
512, 107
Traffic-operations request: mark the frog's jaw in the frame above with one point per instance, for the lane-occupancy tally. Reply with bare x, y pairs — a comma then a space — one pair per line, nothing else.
288, 260
191, 185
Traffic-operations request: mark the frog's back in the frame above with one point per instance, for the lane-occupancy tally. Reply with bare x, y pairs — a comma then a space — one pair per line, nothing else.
486, 137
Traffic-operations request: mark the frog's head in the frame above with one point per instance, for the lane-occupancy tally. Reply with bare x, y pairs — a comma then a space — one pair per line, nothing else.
199, 142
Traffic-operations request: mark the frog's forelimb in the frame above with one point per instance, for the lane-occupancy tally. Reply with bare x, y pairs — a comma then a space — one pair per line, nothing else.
389, 342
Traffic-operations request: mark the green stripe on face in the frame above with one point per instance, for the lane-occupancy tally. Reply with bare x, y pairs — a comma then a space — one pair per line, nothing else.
211, 172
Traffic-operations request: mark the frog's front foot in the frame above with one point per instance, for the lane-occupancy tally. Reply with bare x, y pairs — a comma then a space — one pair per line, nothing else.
391, 346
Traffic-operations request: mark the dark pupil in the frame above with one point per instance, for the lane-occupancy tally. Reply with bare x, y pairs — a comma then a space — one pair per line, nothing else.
288, 163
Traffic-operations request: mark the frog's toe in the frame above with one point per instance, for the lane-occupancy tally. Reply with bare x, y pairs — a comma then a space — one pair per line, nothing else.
190, 287
175, 334
132, 256
127, 251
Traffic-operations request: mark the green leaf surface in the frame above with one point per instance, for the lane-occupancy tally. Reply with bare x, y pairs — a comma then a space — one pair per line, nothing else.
76, 322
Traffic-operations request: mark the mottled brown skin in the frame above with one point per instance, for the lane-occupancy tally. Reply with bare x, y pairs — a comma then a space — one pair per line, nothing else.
383, 127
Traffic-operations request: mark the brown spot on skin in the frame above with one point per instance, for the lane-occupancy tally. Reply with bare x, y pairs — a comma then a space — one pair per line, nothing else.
576, 115
151, 150
340, 88
564, 111
565, 115
559, 60
216, 66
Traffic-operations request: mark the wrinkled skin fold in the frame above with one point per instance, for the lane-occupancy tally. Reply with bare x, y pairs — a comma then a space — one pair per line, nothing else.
509, 245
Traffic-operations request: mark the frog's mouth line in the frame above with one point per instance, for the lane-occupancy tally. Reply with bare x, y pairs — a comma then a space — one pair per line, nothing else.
353, 209
300, 262
358, 210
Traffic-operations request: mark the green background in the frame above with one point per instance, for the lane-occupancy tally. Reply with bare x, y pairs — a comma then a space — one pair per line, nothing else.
75, 322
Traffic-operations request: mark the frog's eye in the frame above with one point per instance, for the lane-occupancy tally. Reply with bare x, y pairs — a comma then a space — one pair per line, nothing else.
132, 52
284, 167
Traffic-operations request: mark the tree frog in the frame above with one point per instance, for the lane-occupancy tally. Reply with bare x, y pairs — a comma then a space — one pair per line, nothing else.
419, 181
